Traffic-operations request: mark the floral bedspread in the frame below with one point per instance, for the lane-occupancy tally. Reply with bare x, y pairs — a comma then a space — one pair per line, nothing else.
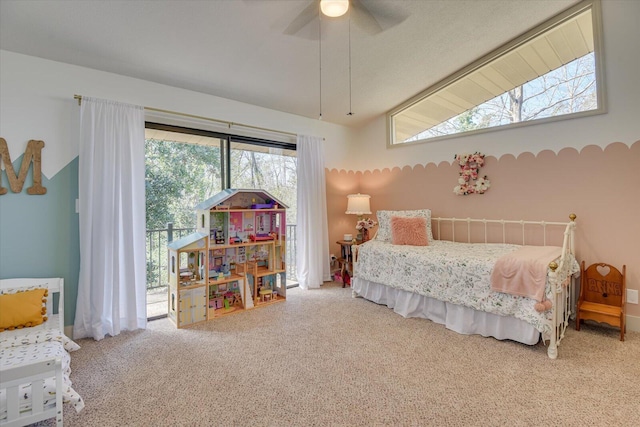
33, 346
459, 273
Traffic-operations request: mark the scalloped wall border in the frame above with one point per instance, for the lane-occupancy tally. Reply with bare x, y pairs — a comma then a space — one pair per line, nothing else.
541, 153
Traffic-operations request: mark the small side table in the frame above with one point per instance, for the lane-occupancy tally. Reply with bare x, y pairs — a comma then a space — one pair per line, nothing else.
346, 261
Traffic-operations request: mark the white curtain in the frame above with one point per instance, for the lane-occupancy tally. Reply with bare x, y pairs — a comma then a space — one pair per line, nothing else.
111, 287
312, 230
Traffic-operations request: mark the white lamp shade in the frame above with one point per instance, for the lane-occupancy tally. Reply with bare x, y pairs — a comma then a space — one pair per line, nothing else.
358, 204
334, 8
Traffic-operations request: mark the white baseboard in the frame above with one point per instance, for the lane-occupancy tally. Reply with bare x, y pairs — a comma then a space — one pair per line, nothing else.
633, 323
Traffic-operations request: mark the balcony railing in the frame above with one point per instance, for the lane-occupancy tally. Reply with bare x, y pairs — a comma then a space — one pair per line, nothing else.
157, 255
290, 255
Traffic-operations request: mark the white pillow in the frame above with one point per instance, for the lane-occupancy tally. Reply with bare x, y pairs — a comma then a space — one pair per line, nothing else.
8, 291
384, 222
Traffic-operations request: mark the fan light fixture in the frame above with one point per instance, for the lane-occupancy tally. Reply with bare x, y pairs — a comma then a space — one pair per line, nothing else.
334, 8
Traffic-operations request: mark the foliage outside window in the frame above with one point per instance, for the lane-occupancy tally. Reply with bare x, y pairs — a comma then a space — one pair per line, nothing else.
182, 171
178, 177
185, 167
549, 73
267, 168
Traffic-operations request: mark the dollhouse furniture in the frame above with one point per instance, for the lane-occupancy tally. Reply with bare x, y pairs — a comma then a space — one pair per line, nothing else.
216, 303
260, 273
237, 299
240, 241
454, 283
265, 294
602, 295
34, 361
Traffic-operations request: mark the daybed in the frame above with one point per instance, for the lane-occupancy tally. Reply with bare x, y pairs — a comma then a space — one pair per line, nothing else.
449, 282
35, 361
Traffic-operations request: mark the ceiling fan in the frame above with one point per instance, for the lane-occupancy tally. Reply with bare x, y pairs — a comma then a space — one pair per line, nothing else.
372, 17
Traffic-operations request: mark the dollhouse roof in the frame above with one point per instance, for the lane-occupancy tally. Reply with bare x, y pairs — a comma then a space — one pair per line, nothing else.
187, 241
239, 197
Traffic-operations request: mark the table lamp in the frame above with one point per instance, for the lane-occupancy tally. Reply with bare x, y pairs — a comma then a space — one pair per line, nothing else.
358, 204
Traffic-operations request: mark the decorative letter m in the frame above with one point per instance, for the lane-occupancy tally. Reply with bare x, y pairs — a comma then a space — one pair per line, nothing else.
16, 182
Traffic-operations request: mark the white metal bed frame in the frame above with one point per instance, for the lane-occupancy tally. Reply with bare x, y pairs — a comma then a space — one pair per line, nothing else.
35, 373
564, 297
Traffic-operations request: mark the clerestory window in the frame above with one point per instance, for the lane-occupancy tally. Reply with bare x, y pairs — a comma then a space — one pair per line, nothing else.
549, 73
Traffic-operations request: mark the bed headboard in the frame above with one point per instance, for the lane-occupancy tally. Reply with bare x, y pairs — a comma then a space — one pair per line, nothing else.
505, 231
54, 285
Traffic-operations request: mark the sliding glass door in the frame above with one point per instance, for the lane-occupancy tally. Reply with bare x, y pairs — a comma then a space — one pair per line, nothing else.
267, 168
274, 170
186, 166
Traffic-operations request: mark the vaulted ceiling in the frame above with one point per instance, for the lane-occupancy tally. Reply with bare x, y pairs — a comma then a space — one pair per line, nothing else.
238, 49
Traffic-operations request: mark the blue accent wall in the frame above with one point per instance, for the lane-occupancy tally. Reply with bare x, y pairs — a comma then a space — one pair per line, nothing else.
39, 235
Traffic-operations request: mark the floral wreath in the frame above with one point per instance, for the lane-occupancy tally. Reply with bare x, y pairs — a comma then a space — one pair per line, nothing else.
469, 182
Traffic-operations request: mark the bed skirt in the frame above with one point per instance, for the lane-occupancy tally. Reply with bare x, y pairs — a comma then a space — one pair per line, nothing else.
463, 320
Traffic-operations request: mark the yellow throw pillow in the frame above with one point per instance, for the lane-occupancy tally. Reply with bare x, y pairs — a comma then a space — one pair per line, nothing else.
23, 309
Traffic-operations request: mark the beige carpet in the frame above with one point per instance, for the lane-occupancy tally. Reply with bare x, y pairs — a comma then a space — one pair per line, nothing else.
323, 358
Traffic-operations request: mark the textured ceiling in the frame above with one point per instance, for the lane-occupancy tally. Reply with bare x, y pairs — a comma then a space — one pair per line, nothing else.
237, 49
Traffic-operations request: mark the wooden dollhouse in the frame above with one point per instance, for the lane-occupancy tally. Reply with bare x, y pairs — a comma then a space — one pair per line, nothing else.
233, 262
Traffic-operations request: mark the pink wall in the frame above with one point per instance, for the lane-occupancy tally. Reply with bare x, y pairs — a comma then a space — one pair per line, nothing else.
600, 187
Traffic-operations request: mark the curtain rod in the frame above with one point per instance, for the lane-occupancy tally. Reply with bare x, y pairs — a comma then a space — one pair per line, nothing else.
79, 98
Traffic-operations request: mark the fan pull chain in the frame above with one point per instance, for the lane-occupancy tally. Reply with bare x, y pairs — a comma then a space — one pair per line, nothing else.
320, 56
350, 113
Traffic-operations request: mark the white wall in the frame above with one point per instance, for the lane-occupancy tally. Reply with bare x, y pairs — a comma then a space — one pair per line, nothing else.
37, 103
621, 25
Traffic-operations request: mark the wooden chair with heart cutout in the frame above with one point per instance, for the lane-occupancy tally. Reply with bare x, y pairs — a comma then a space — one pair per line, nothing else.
602, 295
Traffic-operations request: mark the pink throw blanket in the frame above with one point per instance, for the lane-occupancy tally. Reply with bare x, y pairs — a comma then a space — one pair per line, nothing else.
524, 271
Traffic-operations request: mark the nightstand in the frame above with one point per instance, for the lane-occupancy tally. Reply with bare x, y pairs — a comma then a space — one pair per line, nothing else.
346, 261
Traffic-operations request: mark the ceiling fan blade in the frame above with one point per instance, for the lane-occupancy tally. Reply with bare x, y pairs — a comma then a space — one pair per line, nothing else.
363, 18
307, 15
375, 17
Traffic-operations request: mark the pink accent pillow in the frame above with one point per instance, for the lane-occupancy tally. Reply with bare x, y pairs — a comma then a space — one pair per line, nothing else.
409, 231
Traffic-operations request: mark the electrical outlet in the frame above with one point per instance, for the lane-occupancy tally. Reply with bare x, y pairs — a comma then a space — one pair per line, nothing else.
632, 296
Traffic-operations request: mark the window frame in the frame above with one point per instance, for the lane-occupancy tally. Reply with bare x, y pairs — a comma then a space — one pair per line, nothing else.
596, 14
225, 144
